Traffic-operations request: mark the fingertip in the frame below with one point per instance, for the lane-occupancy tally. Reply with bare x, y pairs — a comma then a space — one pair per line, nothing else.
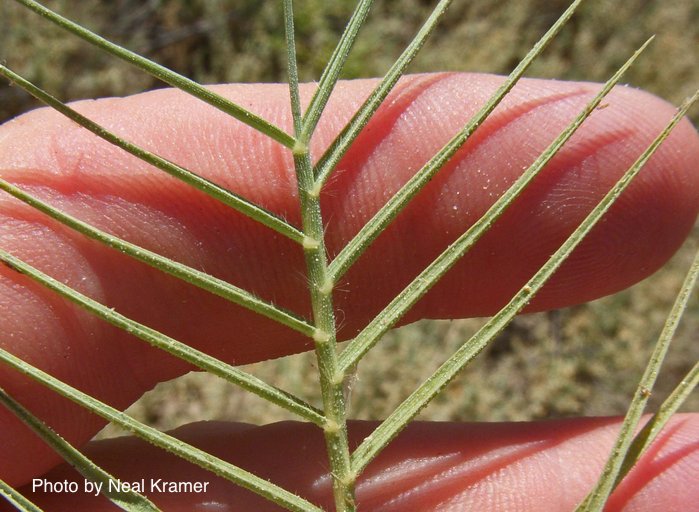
652, 217
645, 227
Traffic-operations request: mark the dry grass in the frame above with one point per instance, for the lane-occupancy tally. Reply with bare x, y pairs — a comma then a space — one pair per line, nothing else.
582, 360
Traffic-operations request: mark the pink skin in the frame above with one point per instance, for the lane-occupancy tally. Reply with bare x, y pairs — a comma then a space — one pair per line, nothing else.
431, 466
53, 159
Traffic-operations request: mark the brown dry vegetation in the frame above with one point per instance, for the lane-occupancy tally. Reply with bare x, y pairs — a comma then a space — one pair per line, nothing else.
581, 360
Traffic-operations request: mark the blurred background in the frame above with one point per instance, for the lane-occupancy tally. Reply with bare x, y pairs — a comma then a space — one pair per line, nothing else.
583, 360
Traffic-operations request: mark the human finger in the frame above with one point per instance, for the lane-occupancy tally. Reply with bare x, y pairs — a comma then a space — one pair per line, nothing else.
62, 164
547, 465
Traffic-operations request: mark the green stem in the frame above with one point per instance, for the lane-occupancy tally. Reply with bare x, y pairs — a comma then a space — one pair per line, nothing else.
412, 405
321, 288
129, 500
331, 73
325, 338
166, 75
173, 445
210, 188
16, 499
371, 230
292, 66
658, 421
170, 345
328, 162
188, 274
611, 474
448, 258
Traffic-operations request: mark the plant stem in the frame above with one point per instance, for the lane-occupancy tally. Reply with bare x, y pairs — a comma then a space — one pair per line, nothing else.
331, 377
332, 70
16, 499
188, 274
658, 421
371, 230
612, 472
210, 188
170, 345
412, 405
328, 162
166, 75
321, 288
162, 440
128, 500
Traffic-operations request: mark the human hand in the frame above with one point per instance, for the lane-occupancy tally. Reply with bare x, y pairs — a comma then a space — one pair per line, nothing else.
480, 466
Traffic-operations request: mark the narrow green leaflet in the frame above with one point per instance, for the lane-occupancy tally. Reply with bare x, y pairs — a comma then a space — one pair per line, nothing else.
18, 500
170, 345
658, 421
332, 70
328, 162
292, 66
186, 451
428, 277
610, 474
130, 501
188, 274
371, 230
412, 405
166, 75
210, 188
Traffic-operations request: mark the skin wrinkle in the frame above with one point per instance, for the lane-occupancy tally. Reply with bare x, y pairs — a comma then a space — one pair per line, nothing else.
81, 251
58, 315
481, 460
371, 139
447, 483
607, 240
627, 222
407, 486
81, 276
447, 195
660, 464
497, 122
472, 473
407, 473
552, 228
401, 232
538, 482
